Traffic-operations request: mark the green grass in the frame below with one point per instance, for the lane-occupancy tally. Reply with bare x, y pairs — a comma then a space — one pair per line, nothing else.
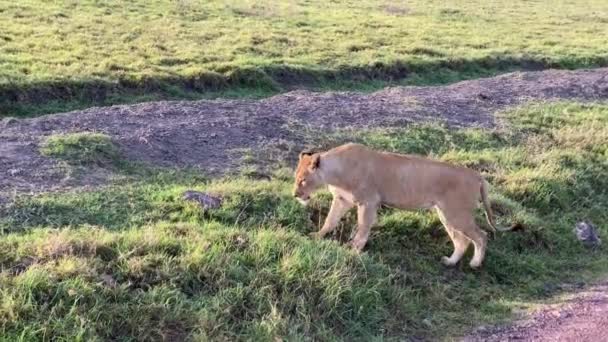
84, 148
133, 261
61, 55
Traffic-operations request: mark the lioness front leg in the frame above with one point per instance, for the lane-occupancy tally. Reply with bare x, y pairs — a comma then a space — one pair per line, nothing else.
366, 218
339, 207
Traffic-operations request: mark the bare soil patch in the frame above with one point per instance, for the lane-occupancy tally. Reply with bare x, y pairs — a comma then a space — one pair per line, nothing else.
580, 317
209, 134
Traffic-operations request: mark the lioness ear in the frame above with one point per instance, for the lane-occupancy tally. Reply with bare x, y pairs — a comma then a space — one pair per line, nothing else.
316, 161
305, 153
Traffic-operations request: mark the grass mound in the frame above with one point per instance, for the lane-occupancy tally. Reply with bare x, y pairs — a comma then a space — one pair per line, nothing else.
84, 148
135, 261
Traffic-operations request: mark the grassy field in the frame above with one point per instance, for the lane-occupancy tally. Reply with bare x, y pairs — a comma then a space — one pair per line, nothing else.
133, 261
60, 55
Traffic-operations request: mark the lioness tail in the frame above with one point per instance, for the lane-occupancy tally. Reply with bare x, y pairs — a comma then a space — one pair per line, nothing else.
488, 208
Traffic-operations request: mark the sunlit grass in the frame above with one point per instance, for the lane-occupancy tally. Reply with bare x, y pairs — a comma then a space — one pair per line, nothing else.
67, 54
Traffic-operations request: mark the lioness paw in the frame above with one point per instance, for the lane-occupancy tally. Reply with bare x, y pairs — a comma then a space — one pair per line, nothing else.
357, 246
446, 261
356, 249
475, 265
315, 236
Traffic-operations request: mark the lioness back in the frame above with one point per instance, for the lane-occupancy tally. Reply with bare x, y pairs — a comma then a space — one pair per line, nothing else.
404, 180
378, 162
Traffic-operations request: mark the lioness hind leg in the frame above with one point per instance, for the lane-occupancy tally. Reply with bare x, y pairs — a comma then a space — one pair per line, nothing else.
461, 242
463, 222
480, 241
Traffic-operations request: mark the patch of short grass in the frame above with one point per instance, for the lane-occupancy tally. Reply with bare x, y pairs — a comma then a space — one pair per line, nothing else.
434, 139
82, 148
185, 281
62, 55
135, 261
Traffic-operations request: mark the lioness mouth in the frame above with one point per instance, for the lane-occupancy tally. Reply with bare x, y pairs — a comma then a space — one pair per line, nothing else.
303, 201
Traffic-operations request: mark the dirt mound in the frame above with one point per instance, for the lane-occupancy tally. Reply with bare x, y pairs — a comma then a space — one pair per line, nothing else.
209, 134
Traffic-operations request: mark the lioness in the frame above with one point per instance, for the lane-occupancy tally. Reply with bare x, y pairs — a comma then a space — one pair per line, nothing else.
357, 175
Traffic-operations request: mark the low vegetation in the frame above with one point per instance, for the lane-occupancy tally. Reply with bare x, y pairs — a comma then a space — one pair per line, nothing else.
83, 148
135, 261
60, 55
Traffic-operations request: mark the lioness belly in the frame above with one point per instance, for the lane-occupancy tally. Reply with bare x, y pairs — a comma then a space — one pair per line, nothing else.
406, 195
409, 205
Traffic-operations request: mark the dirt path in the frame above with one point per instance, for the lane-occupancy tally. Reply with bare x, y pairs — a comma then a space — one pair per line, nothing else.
580, 317
206, 134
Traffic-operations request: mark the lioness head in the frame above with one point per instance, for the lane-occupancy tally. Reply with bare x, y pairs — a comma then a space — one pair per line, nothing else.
307, 178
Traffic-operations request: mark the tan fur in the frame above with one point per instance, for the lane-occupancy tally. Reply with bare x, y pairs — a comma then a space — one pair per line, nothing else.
361, 177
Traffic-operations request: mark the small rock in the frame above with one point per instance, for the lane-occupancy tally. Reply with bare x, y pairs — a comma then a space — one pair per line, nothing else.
206, 201
15, 172
108, 280
481, 329
240, 242
483, 96
555, 313
587, 233
258, 175
7, 122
